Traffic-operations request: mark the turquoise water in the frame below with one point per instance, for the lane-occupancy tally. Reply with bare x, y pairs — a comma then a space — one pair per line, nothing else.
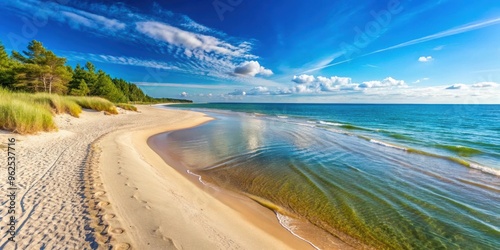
382, 176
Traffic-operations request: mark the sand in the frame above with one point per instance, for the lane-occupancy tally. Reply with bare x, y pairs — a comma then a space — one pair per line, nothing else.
96, 182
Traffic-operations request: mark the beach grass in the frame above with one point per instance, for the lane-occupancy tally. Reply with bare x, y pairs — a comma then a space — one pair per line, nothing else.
127, 106
27, 113
24, 117
95, 103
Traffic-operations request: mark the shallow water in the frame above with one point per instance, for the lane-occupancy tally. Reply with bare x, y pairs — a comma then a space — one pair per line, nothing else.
354, 183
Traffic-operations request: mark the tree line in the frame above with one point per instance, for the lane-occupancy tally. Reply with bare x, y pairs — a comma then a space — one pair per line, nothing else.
38, 69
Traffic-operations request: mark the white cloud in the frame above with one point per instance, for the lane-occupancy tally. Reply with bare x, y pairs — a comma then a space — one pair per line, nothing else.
386, 83
422, 80
311, 84
484, 84
251, 68
75, 18
303, 79
185, 45
122, 60
260, 90
189, 40
335, 83
458, 86
425, 59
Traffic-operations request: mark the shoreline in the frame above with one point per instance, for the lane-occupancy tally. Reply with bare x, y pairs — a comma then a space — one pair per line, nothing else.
145, 202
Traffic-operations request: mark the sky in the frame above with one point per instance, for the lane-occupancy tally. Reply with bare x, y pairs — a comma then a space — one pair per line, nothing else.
394, 51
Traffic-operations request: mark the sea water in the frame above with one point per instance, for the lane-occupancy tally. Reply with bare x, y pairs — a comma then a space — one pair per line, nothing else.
381, 176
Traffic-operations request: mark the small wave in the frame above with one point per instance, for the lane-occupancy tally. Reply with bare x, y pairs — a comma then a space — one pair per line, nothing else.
331, 123
285, 222
199, 178
387, 144
352, 127
396, 135
485, 169
460, 150
282, 116
459, 161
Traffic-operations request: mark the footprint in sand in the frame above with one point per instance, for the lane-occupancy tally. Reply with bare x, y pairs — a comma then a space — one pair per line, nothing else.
122, 246
99, 193
108, 216
102, 204
117, 231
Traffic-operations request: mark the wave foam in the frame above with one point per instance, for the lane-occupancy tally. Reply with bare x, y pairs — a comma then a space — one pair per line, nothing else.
485, 169
286, 223
331, 123
387, 145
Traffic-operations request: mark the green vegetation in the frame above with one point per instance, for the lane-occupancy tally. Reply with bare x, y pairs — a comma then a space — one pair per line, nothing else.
126, 106
35, 84
28, 113
95, 103
22, 115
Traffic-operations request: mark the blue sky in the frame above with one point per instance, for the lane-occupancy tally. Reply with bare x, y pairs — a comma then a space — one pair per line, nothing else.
396, 51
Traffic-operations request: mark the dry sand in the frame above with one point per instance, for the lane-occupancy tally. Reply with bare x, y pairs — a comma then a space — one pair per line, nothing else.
96, 182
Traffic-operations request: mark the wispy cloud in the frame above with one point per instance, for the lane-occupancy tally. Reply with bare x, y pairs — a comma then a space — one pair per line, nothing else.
75, 18
454, 31
185, 45
121, 60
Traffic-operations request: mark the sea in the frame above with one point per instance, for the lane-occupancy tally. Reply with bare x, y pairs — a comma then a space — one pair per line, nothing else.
361, 176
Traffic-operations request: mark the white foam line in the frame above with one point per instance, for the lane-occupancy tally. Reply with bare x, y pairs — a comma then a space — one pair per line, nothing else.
282, 219
199, 177
485, 169
331, 123
387, 145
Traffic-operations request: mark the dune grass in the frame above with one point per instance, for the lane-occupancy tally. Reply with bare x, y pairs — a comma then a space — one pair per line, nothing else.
26, 113
95, 103
23, 116
127, 106
59, 104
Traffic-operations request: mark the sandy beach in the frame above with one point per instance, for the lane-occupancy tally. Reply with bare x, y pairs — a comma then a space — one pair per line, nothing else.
97, 183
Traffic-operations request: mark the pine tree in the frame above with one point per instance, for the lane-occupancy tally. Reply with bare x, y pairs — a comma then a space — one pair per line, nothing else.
42, 70
104, 87
7, 66
81, 90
